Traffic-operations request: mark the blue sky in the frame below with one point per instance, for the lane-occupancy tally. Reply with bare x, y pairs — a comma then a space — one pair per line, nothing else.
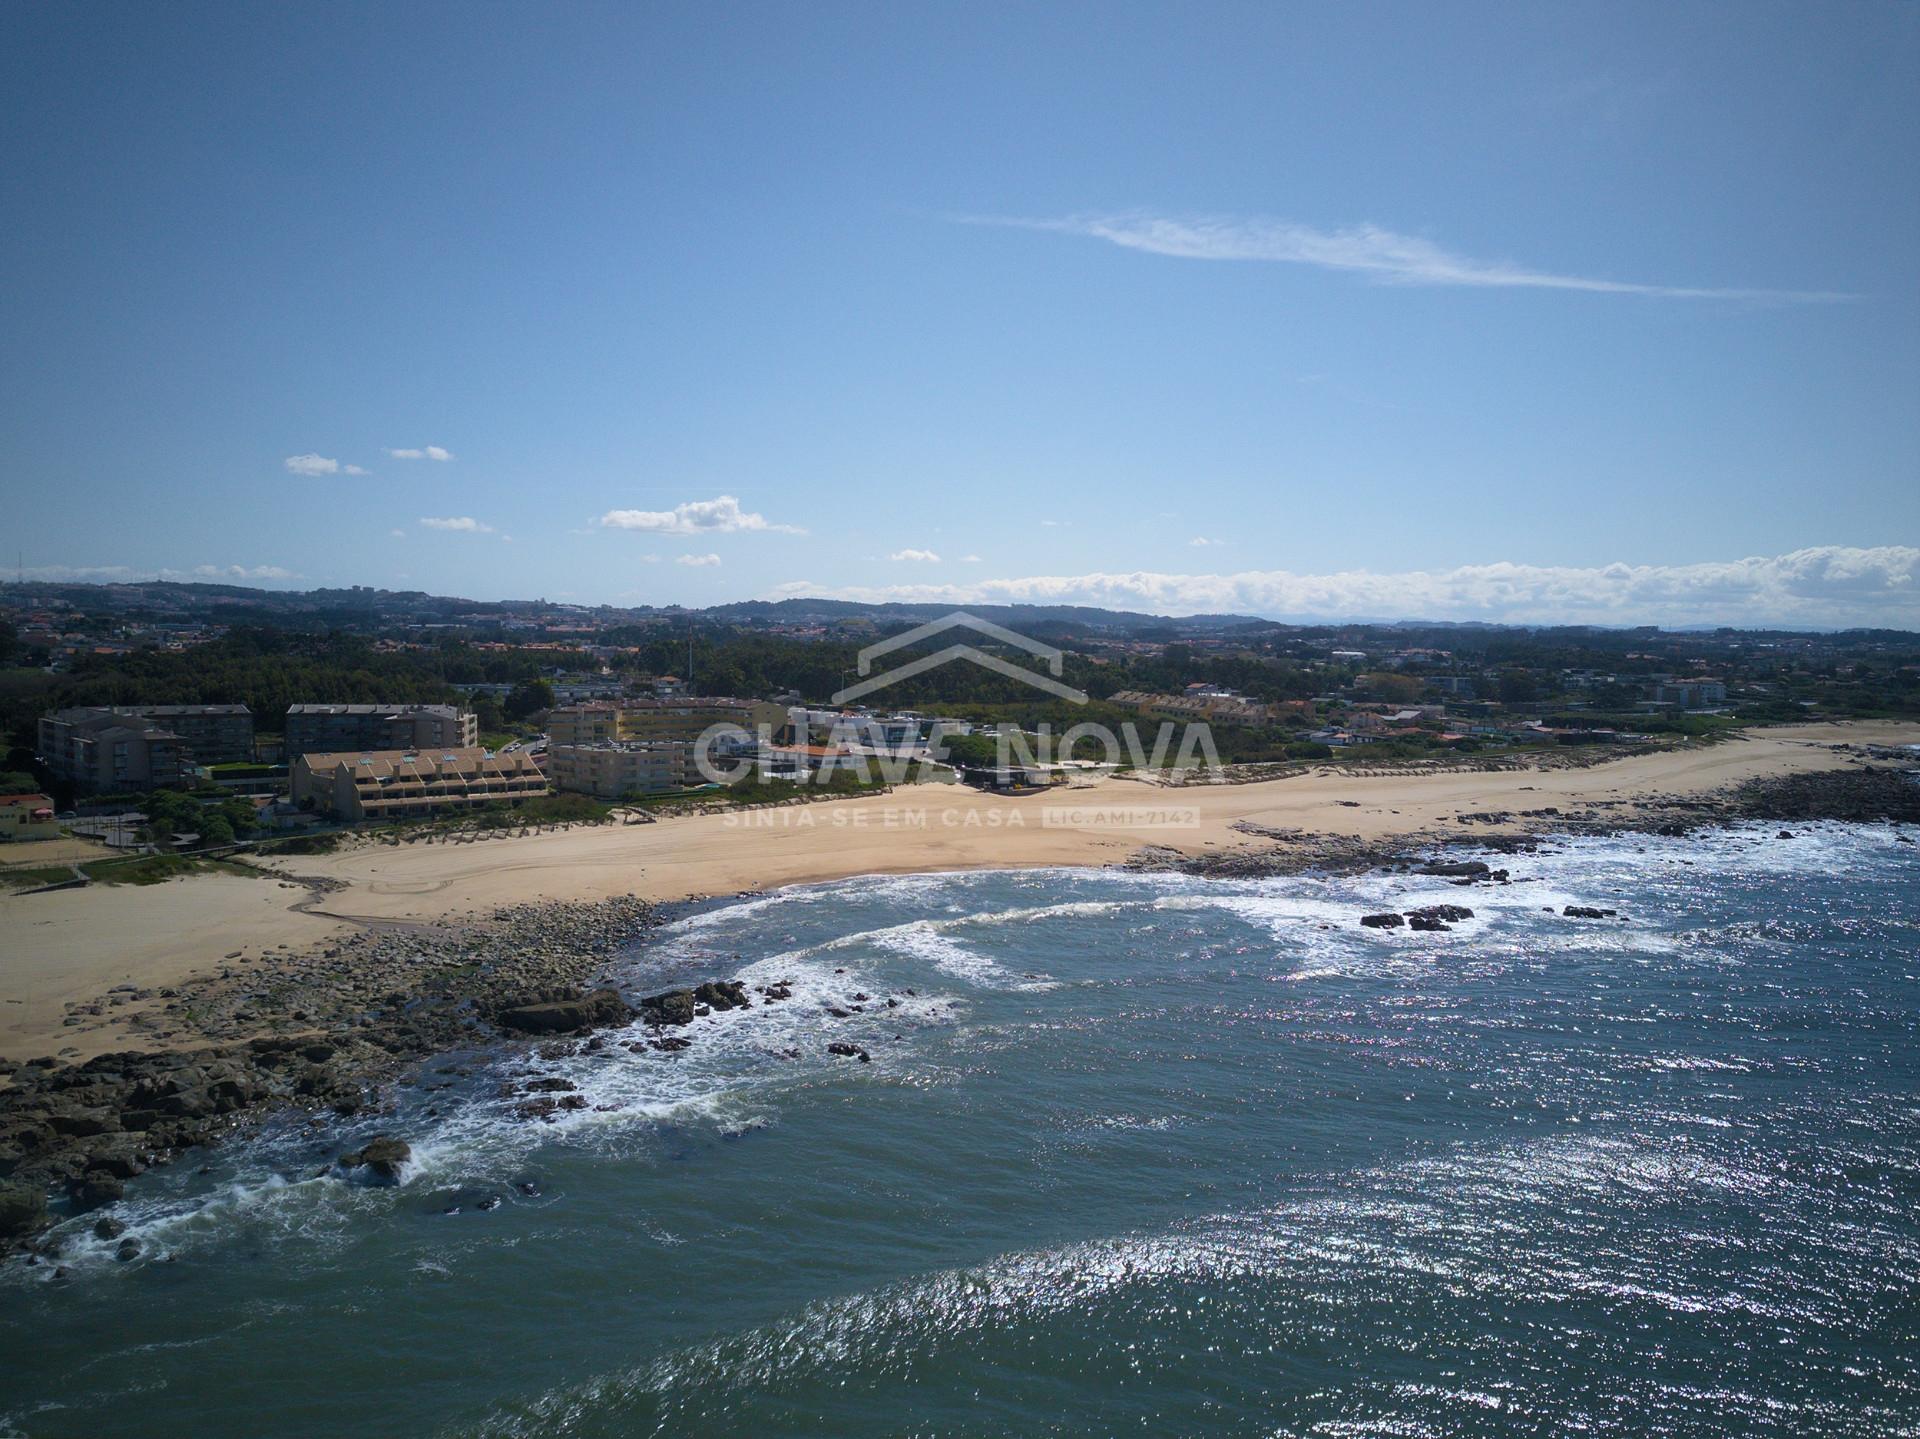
1531, 312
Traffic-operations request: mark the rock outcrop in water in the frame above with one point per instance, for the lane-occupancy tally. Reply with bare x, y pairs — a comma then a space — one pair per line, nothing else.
381, 1157
674, 1007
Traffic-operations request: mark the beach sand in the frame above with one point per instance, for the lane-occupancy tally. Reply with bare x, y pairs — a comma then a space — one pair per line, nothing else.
77, 945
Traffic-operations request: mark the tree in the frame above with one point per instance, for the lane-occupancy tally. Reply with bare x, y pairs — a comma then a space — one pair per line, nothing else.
528, 698
1517, 687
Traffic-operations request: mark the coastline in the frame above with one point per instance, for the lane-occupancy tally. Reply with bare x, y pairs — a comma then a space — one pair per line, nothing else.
76, 947
216, 999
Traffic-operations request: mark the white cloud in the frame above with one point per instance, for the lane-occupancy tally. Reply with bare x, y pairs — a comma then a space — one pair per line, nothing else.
719, 516
924, 557
398, 534
244, 572
314, 466
425, 452
131, 574
464, 524
971, 560
698, 560
1363, 249
1829, 586
1200, 542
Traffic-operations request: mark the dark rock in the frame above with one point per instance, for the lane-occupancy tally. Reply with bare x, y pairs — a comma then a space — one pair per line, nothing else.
1447, 913
723, 994
1581, 911
1468, 868
96, 1187
81, 1123
382, 1156
22, 1210
122, 1155
564, 1016
841, 1047
554, 1085
673, 1007
1382, 921
107, 1227
1427, 922
546, 1106
129, 1250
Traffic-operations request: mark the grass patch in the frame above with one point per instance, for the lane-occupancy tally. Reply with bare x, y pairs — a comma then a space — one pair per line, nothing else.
300, 844
34, 878
159, 868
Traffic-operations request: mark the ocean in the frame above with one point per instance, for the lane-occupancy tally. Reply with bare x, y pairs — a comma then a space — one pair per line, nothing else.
1133, 1154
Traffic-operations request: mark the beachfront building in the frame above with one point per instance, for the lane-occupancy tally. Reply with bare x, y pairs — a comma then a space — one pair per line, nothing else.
1691, 694
405, 784
615, 769
335, 729
214, 734
683, 720
149, 746
27, 816
107, 751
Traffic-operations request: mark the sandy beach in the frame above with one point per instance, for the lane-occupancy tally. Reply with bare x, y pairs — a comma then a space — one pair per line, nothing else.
77, 945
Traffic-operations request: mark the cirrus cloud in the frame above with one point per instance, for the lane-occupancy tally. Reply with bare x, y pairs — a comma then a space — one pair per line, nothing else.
1366, 249
1827, 586
721, 515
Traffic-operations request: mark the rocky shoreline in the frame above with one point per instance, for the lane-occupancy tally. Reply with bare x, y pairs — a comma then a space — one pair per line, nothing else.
322, 1030
319, 1031
1868, 794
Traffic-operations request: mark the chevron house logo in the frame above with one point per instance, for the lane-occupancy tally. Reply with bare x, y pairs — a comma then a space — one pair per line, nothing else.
1053, 659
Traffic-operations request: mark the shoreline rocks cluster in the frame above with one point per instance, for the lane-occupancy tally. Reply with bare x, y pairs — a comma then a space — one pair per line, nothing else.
339, 1020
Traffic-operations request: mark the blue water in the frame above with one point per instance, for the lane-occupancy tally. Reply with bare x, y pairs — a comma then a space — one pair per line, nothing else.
1142, 1155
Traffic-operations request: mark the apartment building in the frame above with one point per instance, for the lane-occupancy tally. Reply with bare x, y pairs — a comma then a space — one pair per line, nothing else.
402, 784
684, 720
1691, 694
108, 751
335, 729
154, 741
613, 769
213, 734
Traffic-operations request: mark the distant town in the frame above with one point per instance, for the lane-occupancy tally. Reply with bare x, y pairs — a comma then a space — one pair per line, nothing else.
179, 719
